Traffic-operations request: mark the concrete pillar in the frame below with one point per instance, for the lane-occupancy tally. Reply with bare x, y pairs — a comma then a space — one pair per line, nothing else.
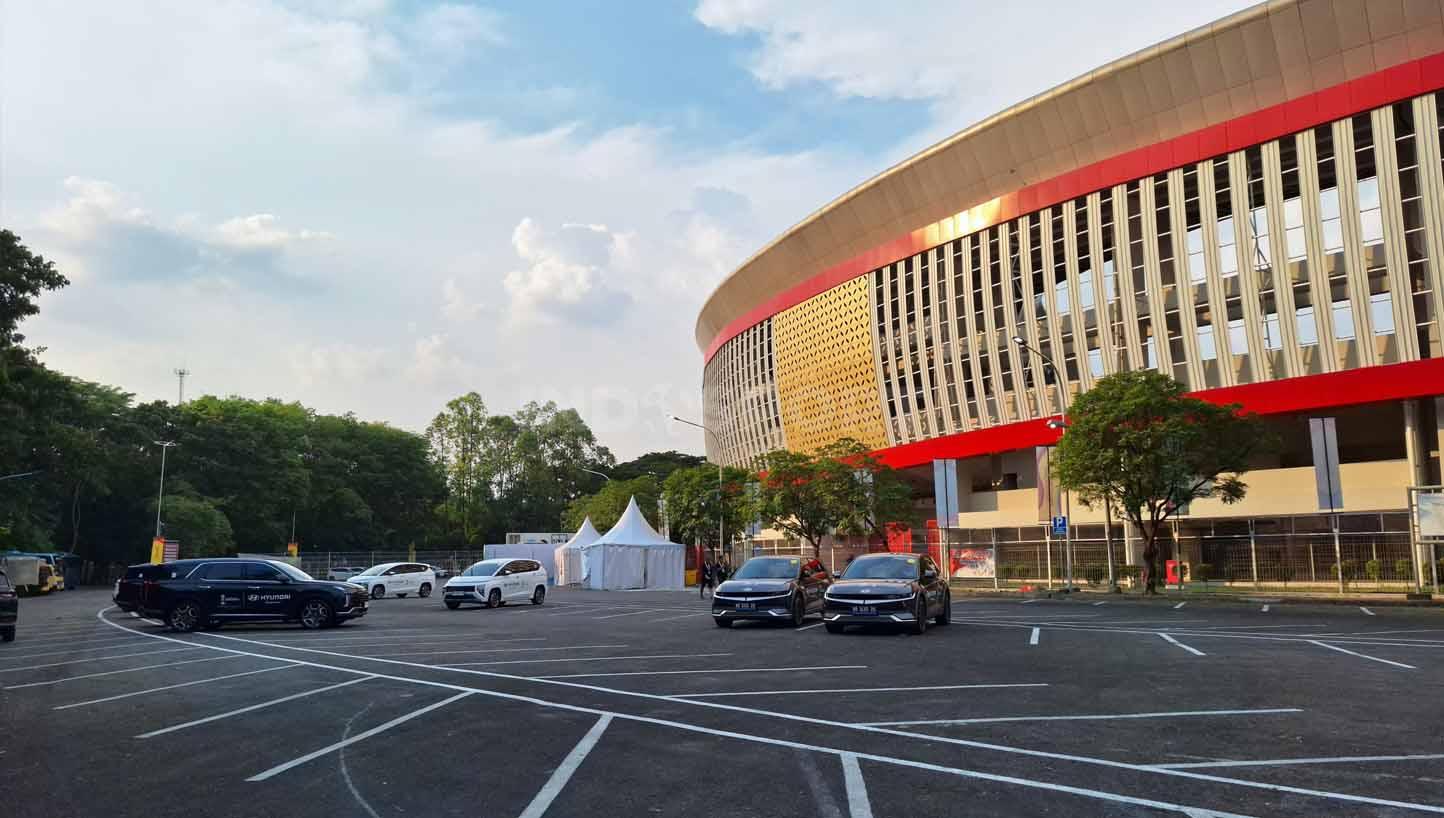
1438, 437
1414, 445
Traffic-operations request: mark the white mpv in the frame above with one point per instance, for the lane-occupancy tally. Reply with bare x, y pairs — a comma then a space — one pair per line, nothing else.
495, 582
396, 579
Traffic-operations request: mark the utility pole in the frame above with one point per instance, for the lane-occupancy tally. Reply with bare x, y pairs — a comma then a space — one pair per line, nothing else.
721, 513
180, 375
160, 494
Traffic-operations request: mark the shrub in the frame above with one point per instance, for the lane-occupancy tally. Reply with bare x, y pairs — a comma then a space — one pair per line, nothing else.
1404, 569
1373, 569
1095, 573
1130, 572
1348, 569
1201, 572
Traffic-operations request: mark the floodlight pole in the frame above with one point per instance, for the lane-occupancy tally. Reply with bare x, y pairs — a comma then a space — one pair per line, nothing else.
160, 493
721, 512
1061, 424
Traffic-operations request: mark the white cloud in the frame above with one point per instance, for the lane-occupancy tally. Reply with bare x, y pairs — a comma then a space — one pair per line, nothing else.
451, 29
261, 231
569, 273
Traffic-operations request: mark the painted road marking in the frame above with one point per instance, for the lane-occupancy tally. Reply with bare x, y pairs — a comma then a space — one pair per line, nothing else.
380, 728
1096, 604
1027, 601
857, 804
1361, 655
851, 690
1170, 639
1033, 638
726, 670
563, 773
591, 659
94, 659
630, 613
118, 643
1043, 785
172, 687
1366, 610
683, 616
810, 627
1091, 717
229, 713
1279, 762
1179, 605
496, 650
1265, 609
114, 672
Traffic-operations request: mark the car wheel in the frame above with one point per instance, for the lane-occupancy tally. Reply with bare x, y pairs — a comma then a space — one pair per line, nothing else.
834, 627
799, 611
425, 590
7, 635
539, 595
920, 617
947, 615
452, 604
185, 617
493, 599
721, 622
316, 613
378, 591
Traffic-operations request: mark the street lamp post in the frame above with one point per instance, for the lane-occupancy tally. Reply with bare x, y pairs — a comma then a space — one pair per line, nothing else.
1061, 423
721, 513
160, 494
597, 473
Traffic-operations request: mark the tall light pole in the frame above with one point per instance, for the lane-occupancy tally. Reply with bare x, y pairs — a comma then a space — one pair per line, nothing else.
160, 494
721, 513
597, 473
1059, 423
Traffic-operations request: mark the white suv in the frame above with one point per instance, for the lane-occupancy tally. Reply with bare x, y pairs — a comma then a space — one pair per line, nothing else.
495, 582
396, 579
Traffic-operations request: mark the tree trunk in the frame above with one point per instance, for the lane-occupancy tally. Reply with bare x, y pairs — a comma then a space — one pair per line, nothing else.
1150, 560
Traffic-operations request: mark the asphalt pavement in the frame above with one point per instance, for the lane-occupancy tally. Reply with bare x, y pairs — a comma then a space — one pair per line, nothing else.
634, 704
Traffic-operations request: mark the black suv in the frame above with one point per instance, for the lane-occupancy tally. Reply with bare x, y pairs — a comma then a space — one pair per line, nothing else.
889, 589
777, 589
206, 593
9, 609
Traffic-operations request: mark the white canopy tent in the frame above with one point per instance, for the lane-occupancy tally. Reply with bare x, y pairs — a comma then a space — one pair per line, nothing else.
568, 556
633, 555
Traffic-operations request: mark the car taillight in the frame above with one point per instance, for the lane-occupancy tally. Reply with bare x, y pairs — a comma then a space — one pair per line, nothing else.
7, 594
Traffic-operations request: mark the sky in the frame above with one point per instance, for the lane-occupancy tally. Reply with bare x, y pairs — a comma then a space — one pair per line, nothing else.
376, 206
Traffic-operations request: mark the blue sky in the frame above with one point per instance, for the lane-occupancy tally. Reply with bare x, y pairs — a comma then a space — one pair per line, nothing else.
376, 205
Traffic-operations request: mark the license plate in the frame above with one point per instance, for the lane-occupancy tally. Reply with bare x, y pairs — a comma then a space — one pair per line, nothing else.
864, 610
746, 606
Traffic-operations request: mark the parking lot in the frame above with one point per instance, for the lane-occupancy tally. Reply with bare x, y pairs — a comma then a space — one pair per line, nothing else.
635, 704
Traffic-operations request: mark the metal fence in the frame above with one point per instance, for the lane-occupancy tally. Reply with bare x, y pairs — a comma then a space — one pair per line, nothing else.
319, 563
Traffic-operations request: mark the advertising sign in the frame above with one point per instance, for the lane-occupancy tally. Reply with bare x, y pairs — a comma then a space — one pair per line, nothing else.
1431, 514
971, 563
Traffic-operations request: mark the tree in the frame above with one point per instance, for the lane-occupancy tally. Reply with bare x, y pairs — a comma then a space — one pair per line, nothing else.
660, 465
696, 508
606, 506
1136, 440
870, 493
457, 438
23, 276
802, 495
202, 529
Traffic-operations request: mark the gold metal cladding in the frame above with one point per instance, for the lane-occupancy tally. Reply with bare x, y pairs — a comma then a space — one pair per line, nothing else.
826, 374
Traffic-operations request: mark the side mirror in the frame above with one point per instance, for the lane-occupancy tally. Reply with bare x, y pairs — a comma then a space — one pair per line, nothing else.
930, 575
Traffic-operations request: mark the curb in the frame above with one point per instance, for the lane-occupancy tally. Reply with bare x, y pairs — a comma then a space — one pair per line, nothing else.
1173, 598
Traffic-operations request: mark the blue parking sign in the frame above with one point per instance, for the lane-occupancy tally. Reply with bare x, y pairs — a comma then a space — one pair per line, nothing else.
1060, 526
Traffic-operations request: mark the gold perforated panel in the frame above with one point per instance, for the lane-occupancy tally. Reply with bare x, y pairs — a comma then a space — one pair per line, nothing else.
826, 374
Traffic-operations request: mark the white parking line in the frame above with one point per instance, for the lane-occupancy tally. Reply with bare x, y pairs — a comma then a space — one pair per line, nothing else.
229, 713
380, 728
851, 690
1264, 609
630, 613
407, 640
683, 616
1366, 610
1030, 601
1281, 762
1088, 717
1033, 637
1179, 605
94, 659
1170, 639
590, 659
1096, 604
688, 727
493, 650
563, 773
172, 687
115, 672
1361, 655
725, 670
810, 627
857, 804
117, 642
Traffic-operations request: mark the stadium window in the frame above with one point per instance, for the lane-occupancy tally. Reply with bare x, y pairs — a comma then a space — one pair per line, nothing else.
1307, 329
1381, 313
1237, 337
1095, 362
1207, 351
1343, 321
1272, 339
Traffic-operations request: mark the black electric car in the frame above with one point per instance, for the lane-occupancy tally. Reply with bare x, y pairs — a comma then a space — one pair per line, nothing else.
902, 590
776, 589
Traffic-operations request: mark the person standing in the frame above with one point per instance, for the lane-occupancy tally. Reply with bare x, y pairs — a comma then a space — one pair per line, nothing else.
704, 579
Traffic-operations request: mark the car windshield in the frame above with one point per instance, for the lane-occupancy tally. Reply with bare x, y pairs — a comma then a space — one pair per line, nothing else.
372, 571
482, 569
882, 568
293, 572
769, 568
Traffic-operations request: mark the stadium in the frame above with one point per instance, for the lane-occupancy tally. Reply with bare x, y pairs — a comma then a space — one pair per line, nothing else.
1255, 208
